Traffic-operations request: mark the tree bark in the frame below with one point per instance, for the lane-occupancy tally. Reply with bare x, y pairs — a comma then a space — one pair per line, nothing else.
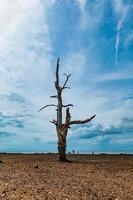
61, 128
62, 149
62, 133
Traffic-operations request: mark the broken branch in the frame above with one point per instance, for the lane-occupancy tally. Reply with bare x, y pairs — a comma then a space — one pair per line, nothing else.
68, 105
54, 96
54, 122
82, 121
67, 78
47, 106
67, 87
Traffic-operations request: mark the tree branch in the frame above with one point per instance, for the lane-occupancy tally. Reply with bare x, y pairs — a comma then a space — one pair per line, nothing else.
67, 78
66, 88
54, 122
47, 106
53, 96
68, 105
82, 121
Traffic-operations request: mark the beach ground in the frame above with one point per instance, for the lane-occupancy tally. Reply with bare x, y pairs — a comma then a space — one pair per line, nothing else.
87, 177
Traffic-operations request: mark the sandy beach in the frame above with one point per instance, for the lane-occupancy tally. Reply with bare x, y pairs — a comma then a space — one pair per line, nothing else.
87, 177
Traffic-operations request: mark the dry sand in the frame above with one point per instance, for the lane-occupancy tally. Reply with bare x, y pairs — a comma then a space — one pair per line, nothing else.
89, 177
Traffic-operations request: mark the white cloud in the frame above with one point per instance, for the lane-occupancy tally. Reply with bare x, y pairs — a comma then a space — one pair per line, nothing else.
82, 4
121, 74
25, 59
25, 68
24, 43
129, 39
121, 10
74, 64
91, 15
123, 140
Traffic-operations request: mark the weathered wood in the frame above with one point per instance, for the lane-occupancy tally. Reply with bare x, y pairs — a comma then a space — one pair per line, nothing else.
62, 128
67, 78
53, 96
54, 122
68, 105
82, 121
47, 106
59, 97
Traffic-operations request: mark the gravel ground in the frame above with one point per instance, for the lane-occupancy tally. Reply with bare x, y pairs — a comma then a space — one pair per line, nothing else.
87, 177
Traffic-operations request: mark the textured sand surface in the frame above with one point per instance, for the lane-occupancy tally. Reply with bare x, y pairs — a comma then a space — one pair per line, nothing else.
87, 178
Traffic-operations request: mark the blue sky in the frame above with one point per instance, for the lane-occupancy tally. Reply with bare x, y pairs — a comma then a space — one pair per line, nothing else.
94, 40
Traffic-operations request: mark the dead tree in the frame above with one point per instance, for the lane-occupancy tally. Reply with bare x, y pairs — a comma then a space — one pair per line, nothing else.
62, 128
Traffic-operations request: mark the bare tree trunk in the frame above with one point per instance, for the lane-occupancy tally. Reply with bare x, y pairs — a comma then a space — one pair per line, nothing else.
62, 148
62, 133
61, 128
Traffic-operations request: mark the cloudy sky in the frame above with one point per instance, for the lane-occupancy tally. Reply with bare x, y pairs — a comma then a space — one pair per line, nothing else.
94, 40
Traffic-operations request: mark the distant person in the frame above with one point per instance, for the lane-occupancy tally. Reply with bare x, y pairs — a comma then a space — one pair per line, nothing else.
73, 151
